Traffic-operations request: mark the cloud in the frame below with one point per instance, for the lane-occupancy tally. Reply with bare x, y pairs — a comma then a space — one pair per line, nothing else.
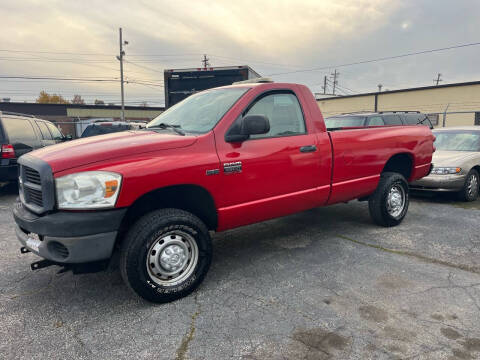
268, 35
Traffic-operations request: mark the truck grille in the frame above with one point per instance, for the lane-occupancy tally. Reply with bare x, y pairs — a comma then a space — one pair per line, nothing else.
36, 184
32, 176
33, 196
31, 186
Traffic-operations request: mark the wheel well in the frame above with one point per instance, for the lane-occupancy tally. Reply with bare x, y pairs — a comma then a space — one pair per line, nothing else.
191, 198
399, 163
477, 167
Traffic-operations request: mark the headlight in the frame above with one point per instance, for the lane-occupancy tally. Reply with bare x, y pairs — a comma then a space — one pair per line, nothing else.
88, 190
445, 170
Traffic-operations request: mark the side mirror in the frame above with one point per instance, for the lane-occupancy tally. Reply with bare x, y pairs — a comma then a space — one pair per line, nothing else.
249, 125
67, 137
254, 125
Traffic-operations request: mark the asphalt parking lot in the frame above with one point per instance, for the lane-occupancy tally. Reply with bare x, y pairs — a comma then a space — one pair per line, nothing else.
323, 284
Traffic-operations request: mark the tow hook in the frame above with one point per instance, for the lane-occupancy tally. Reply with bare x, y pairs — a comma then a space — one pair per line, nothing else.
37, 265
86, 268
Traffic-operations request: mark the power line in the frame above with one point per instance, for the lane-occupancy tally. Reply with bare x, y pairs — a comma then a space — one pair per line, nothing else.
143, 66
378, 59
130, 55
55, 78
54, 52
255, 61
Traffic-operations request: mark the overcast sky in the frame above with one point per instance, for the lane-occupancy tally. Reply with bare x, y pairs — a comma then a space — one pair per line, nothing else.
80, 39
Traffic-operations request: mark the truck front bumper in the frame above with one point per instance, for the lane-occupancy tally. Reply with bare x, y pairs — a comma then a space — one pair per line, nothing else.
439, 183
68, 237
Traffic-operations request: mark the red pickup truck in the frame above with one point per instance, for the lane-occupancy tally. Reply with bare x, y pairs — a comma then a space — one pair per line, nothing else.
220, 159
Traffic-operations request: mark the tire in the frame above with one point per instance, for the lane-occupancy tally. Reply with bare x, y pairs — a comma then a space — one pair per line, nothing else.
388, 205
165, 255
470, 189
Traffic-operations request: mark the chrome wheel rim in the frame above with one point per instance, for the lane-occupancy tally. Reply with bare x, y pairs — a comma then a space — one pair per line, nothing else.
472, 185
396, 201
172, 258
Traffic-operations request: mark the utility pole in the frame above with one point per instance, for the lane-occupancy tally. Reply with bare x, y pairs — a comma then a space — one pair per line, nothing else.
438, 79
205, 62
335, 75
324, 87
120, 58
380, 87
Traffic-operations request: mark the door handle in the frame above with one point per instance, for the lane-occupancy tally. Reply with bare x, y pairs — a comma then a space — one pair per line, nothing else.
308, 148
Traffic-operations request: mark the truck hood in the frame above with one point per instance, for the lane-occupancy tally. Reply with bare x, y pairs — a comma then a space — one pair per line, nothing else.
89, 150
452, 158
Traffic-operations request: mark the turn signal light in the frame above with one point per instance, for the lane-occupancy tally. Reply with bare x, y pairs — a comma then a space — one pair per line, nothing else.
110, 188
7, 151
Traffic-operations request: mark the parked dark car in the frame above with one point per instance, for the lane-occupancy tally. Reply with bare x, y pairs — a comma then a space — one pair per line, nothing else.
108, 127
20, 134
383, 118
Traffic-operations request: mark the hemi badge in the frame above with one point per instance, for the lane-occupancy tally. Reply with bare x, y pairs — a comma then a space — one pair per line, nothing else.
213, 172
232, 167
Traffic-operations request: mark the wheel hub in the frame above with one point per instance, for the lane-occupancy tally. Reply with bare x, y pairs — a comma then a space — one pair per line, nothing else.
472, 185
395, 201
172, 258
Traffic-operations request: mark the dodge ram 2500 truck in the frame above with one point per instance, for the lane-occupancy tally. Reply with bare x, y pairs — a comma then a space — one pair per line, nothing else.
220, 159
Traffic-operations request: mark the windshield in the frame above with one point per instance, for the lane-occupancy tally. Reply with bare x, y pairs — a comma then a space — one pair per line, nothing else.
457, 140
344, 121
93, 130
200, 112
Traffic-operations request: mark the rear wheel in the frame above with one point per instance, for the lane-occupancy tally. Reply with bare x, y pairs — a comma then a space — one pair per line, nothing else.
470, 189
388, 205
166, 255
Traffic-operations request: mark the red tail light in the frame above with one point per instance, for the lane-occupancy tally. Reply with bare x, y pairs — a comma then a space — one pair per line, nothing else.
7, 151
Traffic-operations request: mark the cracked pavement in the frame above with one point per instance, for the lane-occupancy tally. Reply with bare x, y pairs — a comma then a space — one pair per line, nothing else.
323, 284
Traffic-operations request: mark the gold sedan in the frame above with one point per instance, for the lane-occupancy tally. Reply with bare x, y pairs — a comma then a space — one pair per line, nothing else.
456, 163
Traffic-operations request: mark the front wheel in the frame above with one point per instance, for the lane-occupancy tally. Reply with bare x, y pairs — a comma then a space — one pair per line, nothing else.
470, 189
166, 255
388, 205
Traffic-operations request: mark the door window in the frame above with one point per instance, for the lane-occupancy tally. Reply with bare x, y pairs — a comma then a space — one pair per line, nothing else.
19, 131
283, 112
376, 121
392, 120
44, 130
57, 135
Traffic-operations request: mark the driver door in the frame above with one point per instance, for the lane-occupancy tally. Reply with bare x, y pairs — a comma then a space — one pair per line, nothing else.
272, 174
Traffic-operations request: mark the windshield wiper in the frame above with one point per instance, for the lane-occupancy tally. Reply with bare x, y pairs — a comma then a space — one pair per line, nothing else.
175, 128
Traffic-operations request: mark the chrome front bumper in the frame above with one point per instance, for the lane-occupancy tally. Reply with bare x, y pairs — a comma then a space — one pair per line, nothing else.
439, 183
